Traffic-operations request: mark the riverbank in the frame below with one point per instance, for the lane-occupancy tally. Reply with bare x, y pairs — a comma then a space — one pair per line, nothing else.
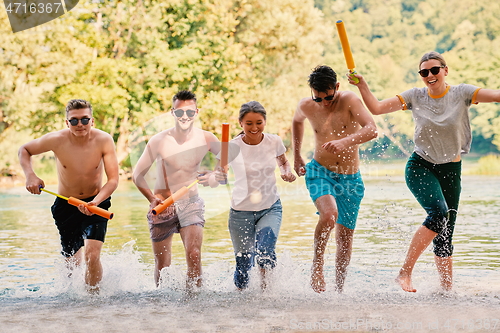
488, 165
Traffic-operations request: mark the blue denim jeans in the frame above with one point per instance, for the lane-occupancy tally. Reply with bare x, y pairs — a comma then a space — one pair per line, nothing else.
254, 235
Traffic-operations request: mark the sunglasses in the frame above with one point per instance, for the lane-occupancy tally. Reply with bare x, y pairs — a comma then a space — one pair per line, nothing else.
434, 70
74, 121
319, 99
180, 112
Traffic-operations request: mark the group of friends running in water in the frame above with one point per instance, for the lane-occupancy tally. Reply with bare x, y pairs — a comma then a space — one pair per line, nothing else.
340, 122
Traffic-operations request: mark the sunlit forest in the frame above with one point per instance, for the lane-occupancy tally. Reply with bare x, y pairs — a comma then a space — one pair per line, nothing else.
130, 57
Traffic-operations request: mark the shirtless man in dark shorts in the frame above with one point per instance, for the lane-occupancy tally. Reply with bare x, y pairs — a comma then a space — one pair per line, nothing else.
82, 154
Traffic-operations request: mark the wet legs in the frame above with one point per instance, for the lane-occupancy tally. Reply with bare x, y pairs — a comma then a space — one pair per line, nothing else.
328, 215
421, 240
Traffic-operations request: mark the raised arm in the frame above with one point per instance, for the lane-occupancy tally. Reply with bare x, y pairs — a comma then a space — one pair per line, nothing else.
375, 106
35, 147
488, 96
297, 136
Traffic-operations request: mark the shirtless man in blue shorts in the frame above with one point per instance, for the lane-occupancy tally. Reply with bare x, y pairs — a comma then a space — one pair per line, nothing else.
340, 123
178, 152
82, 154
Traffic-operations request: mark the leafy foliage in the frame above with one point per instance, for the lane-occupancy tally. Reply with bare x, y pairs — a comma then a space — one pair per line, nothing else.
129, 57
388, 39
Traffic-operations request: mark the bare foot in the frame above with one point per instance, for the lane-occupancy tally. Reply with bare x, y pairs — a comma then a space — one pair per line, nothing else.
405, 283
263, 280
266, 279
446, 284
317, 279
92, 290
193, 284
263, 285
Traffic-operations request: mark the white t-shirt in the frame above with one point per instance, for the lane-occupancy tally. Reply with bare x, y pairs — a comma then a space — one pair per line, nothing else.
253, 167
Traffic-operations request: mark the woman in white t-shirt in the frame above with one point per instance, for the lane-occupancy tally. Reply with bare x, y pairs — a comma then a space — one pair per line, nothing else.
256, 212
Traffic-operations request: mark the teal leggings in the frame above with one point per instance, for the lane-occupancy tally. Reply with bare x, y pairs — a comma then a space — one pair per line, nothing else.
437, 189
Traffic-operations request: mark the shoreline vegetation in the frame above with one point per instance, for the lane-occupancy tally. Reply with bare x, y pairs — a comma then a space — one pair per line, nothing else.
487, 165
231, 52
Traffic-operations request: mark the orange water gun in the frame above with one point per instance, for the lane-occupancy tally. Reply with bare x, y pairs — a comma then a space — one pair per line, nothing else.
173, 198
77, 202
225, 148
347, 50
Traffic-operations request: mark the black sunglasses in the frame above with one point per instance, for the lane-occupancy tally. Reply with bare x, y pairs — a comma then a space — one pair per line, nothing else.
319, 99
434, 70
74, 121
180, 112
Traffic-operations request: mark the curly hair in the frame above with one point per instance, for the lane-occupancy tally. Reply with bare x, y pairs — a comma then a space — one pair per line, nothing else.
322, 79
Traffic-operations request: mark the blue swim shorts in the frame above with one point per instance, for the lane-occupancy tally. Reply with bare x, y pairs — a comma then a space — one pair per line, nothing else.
348, 190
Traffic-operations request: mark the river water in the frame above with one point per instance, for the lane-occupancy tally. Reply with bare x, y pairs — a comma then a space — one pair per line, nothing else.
37, 296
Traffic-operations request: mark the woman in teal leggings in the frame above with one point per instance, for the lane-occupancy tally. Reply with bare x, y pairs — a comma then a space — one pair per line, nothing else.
442, 135
437, 189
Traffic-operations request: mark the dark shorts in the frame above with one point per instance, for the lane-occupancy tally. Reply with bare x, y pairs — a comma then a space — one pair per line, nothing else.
74, 226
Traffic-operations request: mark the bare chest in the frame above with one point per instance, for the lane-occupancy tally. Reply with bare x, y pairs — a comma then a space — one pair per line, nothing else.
81, 159
186, 156
333, 125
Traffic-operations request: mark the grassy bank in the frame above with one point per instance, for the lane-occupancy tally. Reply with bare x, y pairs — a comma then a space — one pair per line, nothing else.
488, 165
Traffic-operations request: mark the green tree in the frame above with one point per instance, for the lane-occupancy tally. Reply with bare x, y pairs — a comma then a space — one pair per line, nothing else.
389, 37
130, 57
